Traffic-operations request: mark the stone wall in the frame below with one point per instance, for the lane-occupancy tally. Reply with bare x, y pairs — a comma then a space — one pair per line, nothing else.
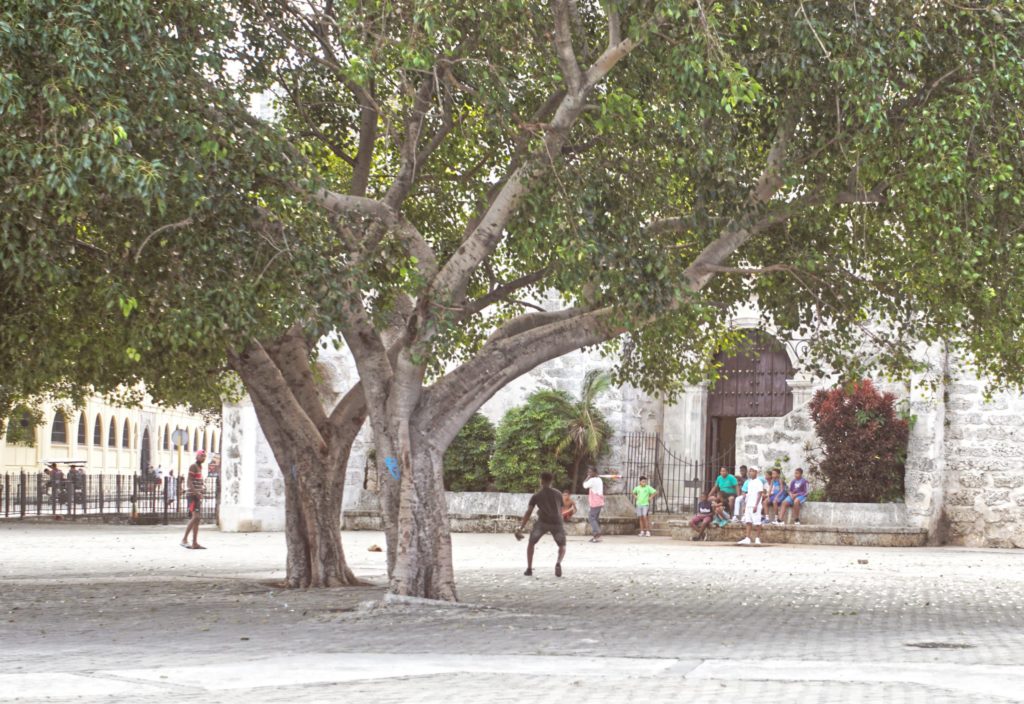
762, 441
984, 454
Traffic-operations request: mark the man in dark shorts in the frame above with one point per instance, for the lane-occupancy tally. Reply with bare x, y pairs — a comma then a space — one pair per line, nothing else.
194, 495
548, 502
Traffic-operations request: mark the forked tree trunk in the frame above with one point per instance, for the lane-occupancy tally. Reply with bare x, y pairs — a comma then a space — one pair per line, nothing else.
314, 480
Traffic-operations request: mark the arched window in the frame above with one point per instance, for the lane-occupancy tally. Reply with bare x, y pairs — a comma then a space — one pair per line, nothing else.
97, 432
195, 440
126, 438
205, 446
213, 442
112, 434
82, 431
167, 437
188, 436
220, 441
59, 430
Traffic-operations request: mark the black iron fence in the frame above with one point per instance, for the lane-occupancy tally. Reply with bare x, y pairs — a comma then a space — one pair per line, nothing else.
679, 481
133, 496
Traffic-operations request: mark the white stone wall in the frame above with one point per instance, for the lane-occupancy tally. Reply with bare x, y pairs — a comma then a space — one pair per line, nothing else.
762, 441
984, 454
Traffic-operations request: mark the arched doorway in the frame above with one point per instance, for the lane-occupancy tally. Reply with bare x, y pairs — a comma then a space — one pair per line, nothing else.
753, 384
147, 453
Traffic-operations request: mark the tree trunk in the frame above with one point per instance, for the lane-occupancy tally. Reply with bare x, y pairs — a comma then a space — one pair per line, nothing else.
423, 562
576, 474
314, 480
320, 489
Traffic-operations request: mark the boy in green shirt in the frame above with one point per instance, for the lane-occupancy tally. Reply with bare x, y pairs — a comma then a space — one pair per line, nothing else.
642, 498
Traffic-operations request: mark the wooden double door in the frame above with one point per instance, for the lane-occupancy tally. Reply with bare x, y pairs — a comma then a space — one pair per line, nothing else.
753, 384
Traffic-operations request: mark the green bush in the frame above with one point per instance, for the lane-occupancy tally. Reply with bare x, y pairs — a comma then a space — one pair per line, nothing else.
468, 458
537, 437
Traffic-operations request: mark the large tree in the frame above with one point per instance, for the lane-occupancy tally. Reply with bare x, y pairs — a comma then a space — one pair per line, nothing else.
653, 165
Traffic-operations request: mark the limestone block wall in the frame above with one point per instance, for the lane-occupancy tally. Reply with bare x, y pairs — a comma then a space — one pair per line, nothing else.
761, 441
984, 454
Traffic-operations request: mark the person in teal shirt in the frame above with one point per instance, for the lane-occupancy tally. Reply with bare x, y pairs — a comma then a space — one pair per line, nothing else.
642, 498
726, 485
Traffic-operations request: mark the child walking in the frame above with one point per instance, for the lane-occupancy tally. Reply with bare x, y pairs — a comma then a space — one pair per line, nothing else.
642, 498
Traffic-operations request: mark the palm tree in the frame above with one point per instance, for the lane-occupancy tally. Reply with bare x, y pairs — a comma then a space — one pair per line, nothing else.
586, 431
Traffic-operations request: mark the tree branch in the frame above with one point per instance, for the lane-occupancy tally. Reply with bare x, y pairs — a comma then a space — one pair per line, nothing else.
163, 228
406, 175
485, 236
496, 294
264, 379
392, 220
571, 72
461, 392
290, 353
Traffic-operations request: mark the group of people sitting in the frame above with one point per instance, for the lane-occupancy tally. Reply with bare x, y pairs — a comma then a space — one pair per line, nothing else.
747, 498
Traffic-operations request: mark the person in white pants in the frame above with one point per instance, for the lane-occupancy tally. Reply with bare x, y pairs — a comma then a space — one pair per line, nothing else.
752, 506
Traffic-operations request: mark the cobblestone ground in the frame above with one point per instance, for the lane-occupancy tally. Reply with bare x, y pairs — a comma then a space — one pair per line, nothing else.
115, 613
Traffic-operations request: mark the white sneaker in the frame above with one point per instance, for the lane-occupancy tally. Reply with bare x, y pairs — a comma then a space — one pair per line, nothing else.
778, 523
757, 541
735, 519
641, 534
745, 541
648, 534
796, 523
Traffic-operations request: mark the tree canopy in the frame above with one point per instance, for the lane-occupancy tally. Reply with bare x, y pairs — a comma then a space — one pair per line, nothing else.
459, 192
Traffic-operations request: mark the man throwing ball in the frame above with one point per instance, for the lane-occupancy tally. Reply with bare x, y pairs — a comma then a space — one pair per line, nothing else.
548, 502
194, 494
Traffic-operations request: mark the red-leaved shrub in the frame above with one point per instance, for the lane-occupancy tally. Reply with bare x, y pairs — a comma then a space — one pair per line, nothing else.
864, 440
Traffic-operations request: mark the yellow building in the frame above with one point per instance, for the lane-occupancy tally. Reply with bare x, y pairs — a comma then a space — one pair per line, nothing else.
109, 439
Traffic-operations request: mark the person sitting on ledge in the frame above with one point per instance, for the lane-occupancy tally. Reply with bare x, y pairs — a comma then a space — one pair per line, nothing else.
776, 495
797, 497
568, 506
703, 517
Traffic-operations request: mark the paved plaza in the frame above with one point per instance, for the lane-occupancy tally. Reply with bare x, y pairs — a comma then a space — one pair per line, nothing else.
95, 613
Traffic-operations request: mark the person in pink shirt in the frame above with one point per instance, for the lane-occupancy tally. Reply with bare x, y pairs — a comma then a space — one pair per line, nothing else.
594, 485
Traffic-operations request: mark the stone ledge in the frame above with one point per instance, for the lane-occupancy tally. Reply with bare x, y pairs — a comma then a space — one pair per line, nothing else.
488, 523
860, 536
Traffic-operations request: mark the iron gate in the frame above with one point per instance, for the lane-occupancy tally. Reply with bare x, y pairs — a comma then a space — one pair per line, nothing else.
679, 481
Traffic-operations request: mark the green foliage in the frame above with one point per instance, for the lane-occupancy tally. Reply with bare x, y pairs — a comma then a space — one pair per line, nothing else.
526, 440
550, 432
129, 174
467, 460
586, 434
817, 494
21, 425
150, 224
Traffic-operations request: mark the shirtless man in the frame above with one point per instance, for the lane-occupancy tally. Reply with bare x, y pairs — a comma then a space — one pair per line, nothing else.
194, 495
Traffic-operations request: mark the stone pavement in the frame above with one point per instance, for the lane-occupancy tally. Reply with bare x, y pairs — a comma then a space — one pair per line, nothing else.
93, 613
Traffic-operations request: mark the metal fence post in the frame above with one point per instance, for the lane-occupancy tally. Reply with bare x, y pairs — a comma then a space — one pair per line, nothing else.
117, 494
101, 494
7, 495
165, 501
216, 508
135, 497
21, 492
